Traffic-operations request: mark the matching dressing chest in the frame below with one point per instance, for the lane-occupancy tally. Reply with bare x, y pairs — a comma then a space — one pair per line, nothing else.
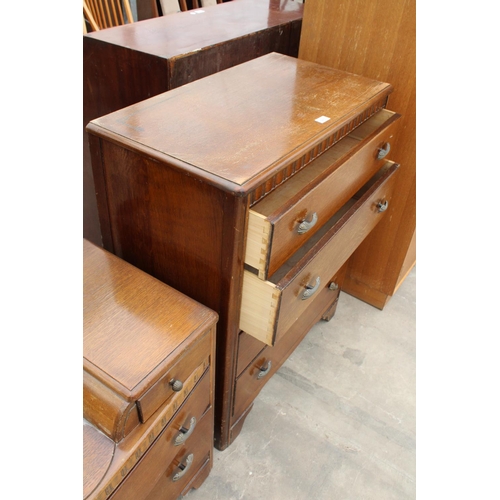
148, 375
248, 191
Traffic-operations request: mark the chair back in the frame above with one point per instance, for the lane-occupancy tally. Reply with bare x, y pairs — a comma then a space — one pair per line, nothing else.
173, 6
107, 13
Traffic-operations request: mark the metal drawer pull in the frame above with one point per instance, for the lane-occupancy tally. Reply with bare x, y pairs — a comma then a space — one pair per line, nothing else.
304, 226
264, 370
382, 206
177, 385
311, 289
184, 468
383, 151
333, 286
185, 433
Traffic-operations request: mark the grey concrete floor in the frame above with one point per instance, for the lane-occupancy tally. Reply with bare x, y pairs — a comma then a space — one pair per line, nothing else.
337, 420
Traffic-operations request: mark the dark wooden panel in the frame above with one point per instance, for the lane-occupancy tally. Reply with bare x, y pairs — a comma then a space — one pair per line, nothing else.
130, 63
114, 77
146, 9
196, 65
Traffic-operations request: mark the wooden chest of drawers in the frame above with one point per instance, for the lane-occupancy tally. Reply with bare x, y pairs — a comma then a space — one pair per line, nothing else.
147, 384
248, 191
126, 64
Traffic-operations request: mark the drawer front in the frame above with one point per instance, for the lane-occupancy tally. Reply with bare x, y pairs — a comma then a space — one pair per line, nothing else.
180, 371
268, 310
186, 464
180, 435
254, 377
286, 219
248, 348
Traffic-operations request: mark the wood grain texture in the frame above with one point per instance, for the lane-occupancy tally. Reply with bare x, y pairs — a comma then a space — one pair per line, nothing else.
291, 94
174, 36
98, 452
138, 334
201, 449
375, 38
143, 456
248, 386
178, 209
127, 64
107, 410
321, 189
163, 455
269, 308
126, 311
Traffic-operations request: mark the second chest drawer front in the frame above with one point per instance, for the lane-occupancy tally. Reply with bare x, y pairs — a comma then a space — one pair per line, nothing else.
265, 363
169, 444
268, 309
281, 223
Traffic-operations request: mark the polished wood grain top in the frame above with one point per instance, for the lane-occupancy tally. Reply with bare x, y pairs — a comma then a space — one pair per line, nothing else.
246, 122
132, 322
185, 32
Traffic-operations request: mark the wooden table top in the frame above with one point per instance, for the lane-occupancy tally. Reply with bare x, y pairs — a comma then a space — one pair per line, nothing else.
243, 122
132, 321
185, 32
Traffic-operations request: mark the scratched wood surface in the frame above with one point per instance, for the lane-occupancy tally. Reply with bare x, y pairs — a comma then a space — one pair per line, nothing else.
274, 96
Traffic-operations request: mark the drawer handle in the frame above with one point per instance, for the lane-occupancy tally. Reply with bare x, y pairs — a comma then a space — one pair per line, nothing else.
184, 468
177, 385
185, 433
383, 151
333, 286
264, 370
311, 289
382, 206
304, 226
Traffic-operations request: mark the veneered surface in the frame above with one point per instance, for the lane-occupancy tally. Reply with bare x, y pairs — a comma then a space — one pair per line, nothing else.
239, 123
186, 32
132, 322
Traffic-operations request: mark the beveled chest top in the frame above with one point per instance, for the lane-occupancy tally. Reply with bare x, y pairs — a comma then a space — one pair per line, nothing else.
244, 123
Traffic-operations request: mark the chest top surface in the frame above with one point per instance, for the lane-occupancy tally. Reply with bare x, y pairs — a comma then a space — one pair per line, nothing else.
185, 32
132, 322
245, 122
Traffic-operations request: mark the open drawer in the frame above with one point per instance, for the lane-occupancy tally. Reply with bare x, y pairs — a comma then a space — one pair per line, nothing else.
285, 219
269, 308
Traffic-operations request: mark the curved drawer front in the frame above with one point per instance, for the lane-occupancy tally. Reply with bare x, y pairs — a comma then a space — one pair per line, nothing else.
189, 460
164, 390
284, 220
181, 434
269, 308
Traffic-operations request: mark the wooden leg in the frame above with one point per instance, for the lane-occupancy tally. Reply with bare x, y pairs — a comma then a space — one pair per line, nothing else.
330, 311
